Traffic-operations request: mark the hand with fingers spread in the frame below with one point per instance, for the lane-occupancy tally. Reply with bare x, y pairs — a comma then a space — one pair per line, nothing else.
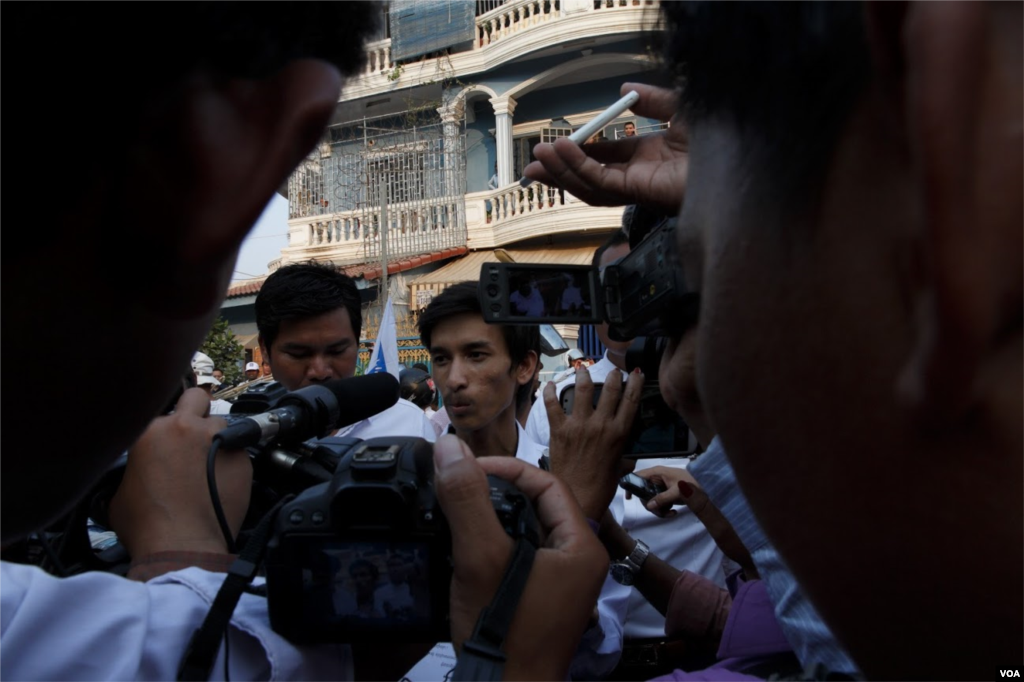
587, 446
567, 572
163, 503
649, 169
682, 488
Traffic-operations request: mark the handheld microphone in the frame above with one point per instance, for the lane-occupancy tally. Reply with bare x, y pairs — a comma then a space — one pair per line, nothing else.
314, 411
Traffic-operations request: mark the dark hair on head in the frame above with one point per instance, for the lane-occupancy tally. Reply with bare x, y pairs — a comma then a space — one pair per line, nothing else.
368, 565
462, 298
133, 56
414, 386
616, 238
786, 74
304, 290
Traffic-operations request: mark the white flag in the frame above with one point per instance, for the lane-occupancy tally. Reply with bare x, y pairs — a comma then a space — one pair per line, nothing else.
385, 349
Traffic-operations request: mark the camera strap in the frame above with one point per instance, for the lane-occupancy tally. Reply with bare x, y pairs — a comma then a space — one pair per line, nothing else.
201, 653
482, 657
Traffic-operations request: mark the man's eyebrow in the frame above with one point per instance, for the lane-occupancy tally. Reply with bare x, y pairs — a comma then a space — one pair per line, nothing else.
294, 345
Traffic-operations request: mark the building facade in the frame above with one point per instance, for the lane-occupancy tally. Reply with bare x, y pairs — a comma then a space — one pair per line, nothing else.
416, 181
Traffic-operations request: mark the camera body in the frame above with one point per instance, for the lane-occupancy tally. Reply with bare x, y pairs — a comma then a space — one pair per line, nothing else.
643, 294
368, 554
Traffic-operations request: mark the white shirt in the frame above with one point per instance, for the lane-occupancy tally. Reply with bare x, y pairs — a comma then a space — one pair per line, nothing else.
401, 419
390, 597
681, 541
218, 406
98, 625
531, 304
572, 296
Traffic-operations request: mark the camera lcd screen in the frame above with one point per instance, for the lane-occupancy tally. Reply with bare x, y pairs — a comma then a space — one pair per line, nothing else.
541, 294
369, 585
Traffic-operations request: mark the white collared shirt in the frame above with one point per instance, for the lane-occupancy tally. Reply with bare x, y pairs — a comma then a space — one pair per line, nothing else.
401, 419
100, 626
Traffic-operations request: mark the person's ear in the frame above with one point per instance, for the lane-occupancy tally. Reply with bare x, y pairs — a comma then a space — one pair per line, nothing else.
960, 64
209, 163
526, 368
264, 349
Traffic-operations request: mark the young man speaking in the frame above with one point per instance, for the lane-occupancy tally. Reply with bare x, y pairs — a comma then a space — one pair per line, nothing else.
478, 368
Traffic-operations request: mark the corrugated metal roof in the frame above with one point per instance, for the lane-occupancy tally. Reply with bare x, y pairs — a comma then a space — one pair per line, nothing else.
467, 268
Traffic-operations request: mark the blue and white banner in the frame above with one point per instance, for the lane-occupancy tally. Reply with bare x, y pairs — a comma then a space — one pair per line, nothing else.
385, 349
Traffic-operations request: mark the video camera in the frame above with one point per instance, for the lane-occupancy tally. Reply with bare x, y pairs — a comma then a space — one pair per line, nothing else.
642, 297
643, 294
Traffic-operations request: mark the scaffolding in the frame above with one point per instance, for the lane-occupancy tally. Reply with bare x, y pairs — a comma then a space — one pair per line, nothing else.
405, 172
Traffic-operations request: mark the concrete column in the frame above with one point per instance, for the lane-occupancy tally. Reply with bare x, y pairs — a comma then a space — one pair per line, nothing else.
504, 107
451, 115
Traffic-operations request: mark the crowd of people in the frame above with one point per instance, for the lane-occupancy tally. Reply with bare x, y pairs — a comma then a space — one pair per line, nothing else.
846, 180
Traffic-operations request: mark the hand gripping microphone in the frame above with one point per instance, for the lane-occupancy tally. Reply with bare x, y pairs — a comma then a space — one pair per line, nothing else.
314, 411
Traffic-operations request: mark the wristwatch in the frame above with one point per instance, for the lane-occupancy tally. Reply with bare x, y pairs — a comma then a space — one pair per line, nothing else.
624, 570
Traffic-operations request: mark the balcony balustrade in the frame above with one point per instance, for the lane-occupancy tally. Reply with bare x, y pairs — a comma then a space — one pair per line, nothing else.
355, 236
511, 19
492, 218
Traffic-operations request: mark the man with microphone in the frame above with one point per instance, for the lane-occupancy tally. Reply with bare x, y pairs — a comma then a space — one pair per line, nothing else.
309, 320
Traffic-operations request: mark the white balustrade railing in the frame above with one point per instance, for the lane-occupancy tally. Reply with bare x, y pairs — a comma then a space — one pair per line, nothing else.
514, 201
513, 17
378, 57
501, 23
413, 228
609, 4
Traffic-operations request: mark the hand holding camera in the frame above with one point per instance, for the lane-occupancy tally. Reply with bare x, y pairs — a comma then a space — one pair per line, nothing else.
587, 446
163, 503
567, 573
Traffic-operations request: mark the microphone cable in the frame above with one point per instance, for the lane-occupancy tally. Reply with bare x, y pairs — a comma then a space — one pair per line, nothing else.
211, 482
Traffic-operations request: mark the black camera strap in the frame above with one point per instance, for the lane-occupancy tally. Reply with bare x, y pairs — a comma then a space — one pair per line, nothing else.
201, 653
482, 657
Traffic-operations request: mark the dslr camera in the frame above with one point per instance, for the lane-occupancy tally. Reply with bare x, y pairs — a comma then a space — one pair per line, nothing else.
368, 554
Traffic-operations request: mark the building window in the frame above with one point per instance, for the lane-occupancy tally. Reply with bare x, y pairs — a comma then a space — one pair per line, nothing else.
522, 147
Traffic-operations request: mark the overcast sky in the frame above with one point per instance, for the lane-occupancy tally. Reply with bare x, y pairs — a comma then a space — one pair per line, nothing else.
265, 242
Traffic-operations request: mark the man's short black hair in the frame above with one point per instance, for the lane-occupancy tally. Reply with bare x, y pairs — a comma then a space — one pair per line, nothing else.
786, 74
304, 290
462, 298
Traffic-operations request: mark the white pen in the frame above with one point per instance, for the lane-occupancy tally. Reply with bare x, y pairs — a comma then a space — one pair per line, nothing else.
598, 122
